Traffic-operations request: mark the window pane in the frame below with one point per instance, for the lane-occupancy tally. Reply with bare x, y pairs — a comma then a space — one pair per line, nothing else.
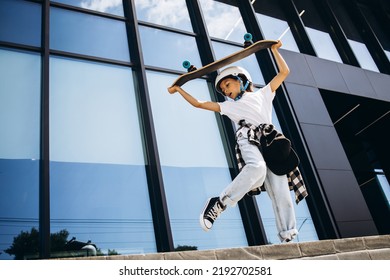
194, 165
105, 6
323, 45
249, 63
20, 22
384, 184
273, 28
363, 56
305, 226
89, 35
172, 13
98, 183
19, 145
223, 21
172, 49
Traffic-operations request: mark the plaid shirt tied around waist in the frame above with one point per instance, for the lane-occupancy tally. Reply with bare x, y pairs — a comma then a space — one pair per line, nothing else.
295, 180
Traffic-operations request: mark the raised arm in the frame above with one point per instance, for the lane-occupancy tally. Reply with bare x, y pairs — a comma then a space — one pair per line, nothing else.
207, 105
282, 65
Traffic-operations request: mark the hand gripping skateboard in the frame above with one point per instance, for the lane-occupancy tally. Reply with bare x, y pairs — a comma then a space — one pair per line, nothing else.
250, 48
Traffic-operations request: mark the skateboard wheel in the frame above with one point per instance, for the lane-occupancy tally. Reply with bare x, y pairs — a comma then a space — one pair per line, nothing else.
248, 37
186, 64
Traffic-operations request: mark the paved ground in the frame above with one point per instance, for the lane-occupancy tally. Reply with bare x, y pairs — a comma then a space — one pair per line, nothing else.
358, 248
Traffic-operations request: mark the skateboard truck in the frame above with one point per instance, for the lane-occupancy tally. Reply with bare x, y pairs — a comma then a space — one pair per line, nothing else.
248, 40
187, 65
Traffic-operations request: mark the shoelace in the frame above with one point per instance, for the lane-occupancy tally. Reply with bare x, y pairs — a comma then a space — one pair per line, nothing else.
214, 212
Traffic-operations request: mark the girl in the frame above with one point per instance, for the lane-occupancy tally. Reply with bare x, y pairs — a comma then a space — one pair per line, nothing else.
254, 108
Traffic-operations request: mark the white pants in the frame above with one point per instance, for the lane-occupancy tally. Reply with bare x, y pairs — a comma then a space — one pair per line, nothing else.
252, 176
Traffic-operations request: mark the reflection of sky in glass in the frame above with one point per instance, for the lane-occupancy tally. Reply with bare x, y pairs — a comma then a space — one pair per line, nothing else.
381, 178
88, 34
223, 21
168, 49
323, 45
20, 87
363, 55
97, 171
24, 18
20, 90
172, 13
105, 6
273, 28
92, 132
194, 165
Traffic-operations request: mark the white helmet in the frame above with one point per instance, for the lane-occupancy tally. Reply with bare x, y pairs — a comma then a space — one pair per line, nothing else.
233, 72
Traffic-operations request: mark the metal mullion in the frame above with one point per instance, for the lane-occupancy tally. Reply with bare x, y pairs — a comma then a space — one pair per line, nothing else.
159, 209
44, 178
166, 28
297, 27
90, 58
10, 45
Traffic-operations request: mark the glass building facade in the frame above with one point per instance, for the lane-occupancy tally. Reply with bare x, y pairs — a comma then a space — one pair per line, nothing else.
92, 143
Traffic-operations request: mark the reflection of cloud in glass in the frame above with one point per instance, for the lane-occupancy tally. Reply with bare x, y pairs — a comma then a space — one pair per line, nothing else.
222, 19
163, 12
101, 5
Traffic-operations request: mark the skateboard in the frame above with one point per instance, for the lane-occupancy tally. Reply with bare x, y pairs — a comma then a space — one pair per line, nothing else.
249, 48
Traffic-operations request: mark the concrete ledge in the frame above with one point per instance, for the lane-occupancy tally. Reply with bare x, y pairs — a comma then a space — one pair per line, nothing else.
357, 248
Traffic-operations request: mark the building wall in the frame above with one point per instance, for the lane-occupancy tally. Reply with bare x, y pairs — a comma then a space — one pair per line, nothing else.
340, 187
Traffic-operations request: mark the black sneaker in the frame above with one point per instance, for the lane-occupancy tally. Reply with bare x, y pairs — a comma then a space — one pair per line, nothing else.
211, 211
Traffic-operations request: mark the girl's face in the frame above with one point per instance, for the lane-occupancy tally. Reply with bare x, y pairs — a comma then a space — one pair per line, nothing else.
230, 87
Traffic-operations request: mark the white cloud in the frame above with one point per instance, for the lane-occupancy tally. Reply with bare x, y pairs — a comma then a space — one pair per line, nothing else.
221, 18
100, 5
164, 12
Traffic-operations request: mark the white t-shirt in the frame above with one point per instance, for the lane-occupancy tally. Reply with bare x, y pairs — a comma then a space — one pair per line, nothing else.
253, 107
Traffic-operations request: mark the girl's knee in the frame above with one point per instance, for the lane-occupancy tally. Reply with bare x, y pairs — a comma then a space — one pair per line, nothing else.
257, 169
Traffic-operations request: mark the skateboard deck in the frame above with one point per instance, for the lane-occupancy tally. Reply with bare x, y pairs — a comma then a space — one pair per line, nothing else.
214, 66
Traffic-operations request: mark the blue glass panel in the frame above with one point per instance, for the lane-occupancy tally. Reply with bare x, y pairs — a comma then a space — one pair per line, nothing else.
88, 34
323, 45
19, 145
110, 7
168, 49
194, 165
98, 180
160, 12
20, 22
363, 55
223, 21
273, 28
